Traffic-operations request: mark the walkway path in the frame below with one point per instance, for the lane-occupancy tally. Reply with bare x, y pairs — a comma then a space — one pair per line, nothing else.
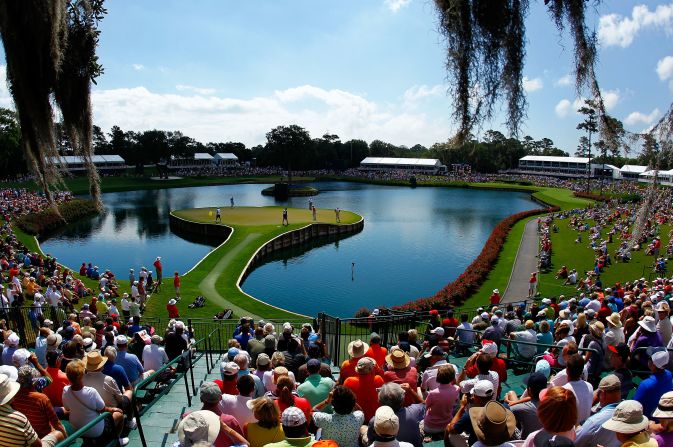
524, 264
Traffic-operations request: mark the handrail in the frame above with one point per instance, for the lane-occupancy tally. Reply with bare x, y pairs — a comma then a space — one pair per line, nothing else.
78, 433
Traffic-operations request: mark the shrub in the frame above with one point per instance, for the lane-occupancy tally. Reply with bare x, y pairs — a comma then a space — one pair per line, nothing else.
622, 198
454, 293
362, 312
47, 220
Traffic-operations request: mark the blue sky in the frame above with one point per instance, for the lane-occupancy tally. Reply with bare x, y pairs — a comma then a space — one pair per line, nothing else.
223, 70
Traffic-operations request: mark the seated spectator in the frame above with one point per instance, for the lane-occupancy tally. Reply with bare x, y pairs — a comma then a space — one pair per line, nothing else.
236, 405
106, 386
558, 414
15, 429
440, 401
38, 409
465, 335
474, 395
295, 427
646, 336
356, 350
85, 404
54, 391
592, 432
582, 389
493, 424
267, 429
522, 350
342, 426
436, 358
230, 432
400, 371
618, 357
294, 355
525, 410
630, 425
483, 364
386, 428
154, 355
229, 374
364, 385
175, 342
316, 388
115, 371
242, 361
132, 366
285, 396
392, 395
663, 431
314, 351
271, 376
659, 382
376, 351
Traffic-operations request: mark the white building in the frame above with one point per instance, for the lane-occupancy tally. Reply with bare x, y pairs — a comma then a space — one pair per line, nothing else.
75, 163
550, 165
226, 159
663, 177
631, 172
418, 165
199, 159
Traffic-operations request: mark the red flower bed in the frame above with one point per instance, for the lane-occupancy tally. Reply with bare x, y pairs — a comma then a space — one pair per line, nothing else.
47, 220
454, 293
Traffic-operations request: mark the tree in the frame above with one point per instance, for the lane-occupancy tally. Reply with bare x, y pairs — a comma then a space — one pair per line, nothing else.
354, 151
100, 142
378, 148
289, 144
12, 161
590, 126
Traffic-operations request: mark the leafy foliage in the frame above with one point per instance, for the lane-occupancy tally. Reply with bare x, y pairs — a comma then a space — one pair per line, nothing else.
50, 220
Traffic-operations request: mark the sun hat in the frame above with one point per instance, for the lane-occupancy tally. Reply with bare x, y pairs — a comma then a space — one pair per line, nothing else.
662, 306
386, 422
496, 291
493, 424
628, 418
263, 359
597, 328
357, 348
199, 429
121, 340
438, 331
54, 341
20, 357
292, 417
93, 361
664, 409
398, 359
648, 324
482, 388
435, 351
229, 368
13, 340
171, 302
610, 383
659, 358
210, 393
8, 389
365, 365
614, 320
570, 325
88, 344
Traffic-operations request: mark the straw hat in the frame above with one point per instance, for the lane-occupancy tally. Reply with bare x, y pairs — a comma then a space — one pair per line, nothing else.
93, 361
493, 424
648, 324
8, 389
665, 408
614, 320
357, 348
199, 429
628, 418
597, 328
398, 359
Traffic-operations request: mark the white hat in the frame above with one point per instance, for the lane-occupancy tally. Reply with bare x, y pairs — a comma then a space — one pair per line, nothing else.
13, 340
229, 368
494, 319
484, 316
89, 344
546, 301
483, 388
386, 422
292, 417
665, 408
570, 325
438, 330
199, 429
121, 340
171, 302
287, 327
660, 359
496, 291
20, 357
648, 324
542, 313
490, 349
8, 389
627, 418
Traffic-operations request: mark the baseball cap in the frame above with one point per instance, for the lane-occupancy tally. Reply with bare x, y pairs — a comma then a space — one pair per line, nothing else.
490, 349
229, 368
483, 388
232, 352
312, 363
435, 351
438, 331
210, 393
263, 359
610, 383
622, 350
660, 359
121, 340
536, 381
386, 422
292, 417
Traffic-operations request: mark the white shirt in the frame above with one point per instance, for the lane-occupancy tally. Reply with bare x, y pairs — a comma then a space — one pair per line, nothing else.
584, 394
125, 304
154, 357
237, 407
84, 408
528, 336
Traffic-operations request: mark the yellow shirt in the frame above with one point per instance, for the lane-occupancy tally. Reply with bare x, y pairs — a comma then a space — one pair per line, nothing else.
642, 439
260, 436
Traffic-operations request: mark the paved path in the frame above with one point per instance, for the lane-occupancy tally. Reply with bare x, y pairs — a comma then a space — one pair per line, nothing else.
524, 264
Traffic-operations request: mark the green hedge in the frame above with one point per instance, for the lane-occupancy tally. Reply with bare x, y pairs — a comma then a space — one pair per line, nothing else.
47, 220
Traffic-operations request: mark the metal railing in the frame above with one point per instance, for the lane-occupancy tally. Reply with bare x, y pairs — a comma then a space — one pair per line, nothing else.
70, 440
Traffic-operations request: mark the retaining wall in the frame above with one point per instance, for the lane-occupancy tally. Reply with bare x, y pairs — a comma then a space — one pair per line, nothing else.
179, 225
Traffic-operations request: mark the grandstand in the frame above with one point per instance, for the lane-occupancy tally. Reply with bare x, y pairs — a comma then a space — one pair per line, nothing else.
75, 163
415, 165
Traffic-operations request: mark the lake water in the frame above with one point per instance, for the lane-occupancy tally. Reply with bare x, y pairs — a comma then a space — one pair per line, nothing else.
414, 242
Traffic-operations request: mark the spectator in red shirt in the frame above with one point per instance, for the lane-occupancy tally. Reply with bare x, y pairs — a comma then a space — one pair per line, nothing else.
498, 364
172, 309
376, 351
495, 297
356, 350
159, 269
285, 397
364, 385
54, 391
450, 323
229, 372
176, 284
400, 371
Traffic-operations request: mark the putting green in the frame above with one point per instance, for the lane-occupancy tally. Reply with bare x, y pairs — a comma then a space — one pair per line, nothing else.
268, 215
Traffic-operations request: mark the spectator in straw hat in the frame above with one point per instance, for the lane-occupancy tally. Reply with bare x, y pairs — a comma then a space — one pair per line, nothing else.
474, 395
659, 382
400, 371
364, 384
493, 424
356, 350
630, 425
614, 334
663, 431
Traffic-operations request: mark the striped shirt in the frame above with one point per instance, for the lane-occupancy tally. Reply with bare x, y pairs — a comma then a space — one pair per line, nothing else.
15, 430
38, 409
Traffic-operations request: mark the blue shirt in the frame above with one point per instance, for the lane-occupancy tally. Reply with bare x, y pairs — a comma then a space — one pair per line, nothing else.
132, 365
116, 372
651, 389
592, 432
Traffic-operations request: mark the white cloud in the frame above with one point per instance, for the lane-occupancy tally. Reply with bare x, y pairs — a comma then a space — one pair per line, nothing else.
640, 118
562, 108
614, 29
531, 85
665, 68
610, 99
396, 5
418, 92
564, 81
191, 88
138, 67
214, 118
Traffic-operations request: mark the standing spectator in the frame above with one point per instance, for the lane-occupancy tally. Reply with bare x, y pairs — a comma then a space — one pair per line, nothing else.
176, 284
364, 385
659, 382
630, 425
376, 351
495, 297
159, 269
342, 426
592, 432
